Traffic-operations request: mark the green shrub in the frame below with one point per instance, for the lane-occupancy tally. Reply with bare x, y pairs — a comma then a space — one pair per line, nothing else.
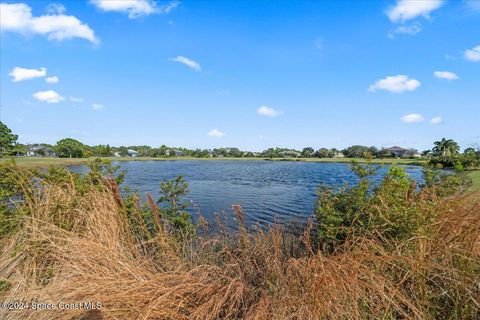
15, 185
395, 210
173, 207
458, 166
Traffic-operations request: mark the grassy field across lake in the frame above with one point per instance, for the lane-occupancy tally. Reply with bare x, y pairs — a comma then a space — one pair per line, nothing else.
475, 176
39, 162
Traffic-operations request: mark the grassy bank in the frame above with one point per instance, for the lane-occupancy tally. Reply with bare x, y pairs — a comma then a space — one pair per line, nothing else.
399, 253
37, 162
475, 176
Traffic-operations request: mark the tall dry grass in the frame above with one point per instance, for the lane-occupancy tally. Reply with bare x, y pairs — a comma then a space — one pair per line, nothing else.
74, 245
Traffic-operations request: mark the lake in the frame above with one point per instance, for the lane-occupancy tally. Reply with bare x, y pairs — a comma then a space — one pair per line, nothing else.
268, 191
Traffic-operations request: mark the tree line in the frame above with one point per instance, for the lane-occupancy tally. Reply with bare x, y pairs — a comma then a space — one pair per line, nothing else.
445, 152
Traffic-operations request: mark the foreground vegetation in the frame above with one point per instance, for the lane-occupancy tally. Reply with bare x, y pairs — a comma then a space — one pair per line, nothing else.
399, 252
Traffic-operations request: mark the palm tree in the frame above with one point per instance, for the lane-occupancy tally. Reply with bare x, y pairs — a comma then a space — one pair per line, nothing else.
446, 147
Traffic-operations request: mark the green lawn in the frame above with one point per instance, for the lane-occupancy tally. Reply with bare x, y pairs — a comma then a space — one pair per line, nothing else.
475, 176
38, 162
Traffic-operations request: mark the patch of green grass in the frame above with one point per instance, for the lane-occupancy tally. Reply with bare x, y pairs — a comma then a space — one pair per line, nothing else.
475, 176
38, 162
4, 285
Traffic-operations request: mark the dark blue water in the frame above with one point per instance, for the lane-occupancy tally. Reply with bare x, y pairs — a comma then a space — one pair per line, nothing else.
268, 191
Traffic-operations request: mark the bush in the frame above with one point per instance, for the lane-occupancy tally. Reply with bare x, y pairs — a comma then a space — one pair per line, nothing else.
401, 252
394, 211
15, 185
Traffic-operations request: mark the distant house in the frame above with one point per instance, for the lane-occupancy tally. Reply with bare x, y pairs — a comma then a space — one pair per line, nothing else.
132, 153
412, 154
338, 155
175, 152
117, 154
39, 150
290, 154
399, 152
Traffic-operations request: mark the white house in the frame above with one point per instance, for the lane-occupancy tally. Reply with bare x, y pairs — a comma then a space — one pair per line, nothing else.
38, 150
290, 154
132, 153
175, 152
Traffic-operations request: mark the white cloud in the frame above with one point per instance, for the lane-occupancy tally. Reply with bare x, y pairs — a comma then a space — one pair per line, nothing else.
408, 30
445, 75
216, 133
436, 120
18, 18
395, 84
97, 106
412, 118
267, 111
473, 54
20, 74
56, 8
190, 63
169, 7
75, 99
409, 9
53, 79
450, 57
134, 8
49, 96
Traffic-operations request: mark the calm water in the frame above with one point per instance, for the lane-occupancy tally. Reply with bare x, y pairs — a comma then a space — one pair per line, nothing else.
268, 191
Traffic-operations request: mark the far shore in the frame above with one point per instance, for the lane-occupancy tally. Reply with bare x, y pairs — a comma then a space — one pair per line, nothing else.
45, 162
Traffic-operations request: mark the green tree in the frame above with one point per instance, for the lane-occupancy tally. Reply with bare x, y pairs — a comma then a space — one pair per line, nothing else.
322, 153
101, 151
270, 153
163, 150
69, 148
173, 207
234, 152
307, 152
356, 151
19, 149
445, 148
7, 139
123, 151
426, 153
469, 151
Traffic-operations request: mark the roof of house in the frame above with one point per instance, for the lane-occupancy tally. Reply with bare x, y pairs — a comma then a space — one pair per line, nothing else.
396, 148
289, 152
132, 151
35, 147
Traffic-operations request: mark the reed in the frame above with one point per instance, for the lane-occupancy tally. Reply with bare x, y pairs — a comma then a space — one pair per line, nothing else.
76, 242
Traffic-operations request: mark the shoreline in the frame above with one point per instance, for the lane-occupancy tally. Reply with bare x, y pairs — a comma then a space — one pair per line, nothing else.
40, 162
46, 162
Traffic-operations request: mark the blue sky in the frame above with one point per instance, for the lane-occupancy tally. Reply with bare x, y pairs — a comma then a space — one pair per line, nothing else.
247, 74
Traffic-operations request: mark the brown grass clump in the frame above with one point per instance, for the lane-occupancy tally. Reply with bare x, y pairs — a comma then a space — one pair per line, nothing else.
83, 245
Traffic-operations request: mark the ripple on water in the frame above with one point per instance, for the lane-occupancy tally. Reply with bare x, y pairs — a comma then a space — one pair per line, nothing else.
268, 191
